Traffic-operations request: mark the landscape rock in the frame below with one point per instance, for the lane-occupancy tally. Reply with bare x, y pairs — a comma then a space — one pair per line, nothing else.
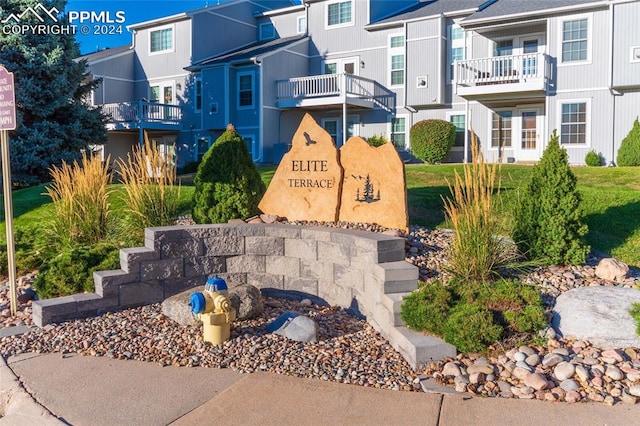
247, 301
611, 269
536, 380
177, 308
374, 187
564, 371
598, 314
306, 184
295, 327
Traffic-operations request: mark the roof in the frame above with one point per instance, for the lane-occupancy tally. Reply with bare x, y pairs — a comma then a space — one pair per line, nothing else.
105, 53
247, 53
503, 8
432, 8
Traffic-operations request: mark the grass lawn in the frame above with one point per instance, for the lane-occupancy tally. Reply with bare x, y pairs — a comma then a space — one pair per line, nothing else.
611, 202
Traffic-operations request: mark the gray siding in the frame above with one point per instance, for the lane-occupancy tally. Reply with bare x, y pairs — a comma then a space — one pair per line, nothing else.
117, 78
286, 25
626, 35
234, 20
425, 53
593, 73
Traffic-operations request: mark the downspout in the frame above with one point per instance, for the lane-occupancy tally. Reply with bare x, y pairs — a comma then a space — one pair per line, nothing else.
411, 109
465, 156
613, 92
258, 63
227, 101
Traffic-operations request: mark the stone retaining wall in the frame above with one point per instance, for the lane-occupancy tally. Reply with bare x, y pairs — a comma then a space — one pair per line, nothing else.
362, 270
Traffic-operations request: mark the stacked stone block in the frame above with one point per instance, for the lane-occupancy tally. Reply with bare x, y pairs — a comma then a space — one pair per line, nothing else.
361, 270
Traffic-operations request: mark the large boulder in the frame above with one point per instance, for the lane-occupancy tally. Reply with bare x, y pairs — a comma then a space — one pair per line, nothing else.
611, 269
599, 314
247, 301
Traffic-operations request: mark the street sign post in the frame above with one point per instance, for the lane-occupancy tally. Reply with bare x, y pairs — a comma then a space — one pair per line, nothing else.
8, 122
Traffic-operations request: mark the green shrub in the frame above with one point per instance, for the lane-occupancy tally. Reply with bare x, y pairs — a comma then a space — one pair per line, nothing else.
432, 139
426, 308
629, 151
593, 159
470, 328
71, 270
548, 221
227, 184
476, 252
377, 140
635, 314
519, 304
190, 167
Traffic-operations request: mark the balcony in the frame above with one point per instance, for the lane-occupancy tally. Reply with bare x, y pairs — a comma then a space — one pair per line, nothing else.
143, 114
330, 90
517, 75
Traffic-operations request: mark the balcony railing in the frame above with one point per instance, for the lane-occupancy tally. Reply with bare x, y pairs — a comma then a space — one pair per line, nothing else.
534, 70
143, 112
335, 85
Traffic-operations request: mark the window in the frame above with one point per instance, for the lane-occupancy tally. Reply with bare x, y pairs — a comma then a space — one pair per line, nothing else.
399, 132
575, 40
458, 120
161, 40
197, 94
267, 31
331, 126
339, 13
245, 90
573, 124
202, 146
396, 60
301, 24
456, 48
504, 67
154, 93
501, 129
249, 141
331, 68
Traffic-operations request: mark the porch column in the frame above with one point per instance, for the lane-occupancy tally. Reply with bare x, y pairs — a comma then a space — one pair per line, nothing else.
344, 122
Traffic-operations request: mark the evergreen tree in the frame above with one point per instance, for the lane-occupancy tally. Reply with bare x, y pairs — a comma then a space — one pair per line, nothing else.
227, 184
55, 120
629, 151
548, 222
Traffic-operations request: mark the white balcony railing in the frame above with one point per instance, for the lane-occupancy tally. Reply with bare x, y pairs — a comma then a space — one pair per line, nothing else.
329, 85
528, 67
143, 112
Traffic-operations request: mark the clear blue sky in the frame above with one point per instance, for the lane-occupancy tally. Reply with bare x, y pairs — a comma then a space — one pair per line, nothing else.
135, 11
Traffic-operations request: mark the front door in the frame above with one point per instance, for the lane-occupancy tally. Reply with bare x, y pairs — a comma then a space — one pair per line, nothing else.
528, 136
530, 57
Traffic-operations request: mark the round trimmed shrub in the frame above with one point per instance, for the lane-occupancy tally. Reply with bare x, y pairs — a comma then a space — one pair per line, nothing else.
593, 159
432, 139
227, 184
470, 328
426, 308
629, 151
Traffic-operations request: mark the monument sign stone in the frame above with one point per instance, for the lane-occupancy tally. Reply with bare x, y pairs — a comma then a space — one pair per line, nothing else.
306, 185
358, 183
373, 187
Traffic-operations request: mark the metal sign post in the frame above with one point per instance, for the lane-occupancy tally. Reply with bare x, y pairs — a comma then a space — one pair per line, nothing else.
8, 122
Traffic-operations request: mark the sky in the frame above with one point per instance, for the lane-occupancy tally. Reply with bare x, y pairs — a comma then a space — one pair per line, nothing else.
120, 15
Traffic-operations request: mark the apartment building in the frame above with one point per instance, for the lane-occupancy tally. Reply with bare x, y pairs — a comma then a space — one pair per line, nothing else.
508, 70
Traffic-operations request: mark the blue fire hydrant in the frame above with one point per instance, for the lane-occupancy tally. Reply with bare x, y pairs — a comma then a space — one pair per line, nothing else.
213, 307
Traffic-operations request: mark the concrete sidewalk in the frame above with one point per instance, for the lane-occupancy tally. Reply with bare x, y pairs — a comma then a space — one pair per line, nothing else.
77, 390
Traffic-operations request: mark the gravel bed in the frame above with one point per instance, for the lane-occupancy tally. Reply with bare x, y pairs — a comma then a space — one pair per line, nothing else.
350, 350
